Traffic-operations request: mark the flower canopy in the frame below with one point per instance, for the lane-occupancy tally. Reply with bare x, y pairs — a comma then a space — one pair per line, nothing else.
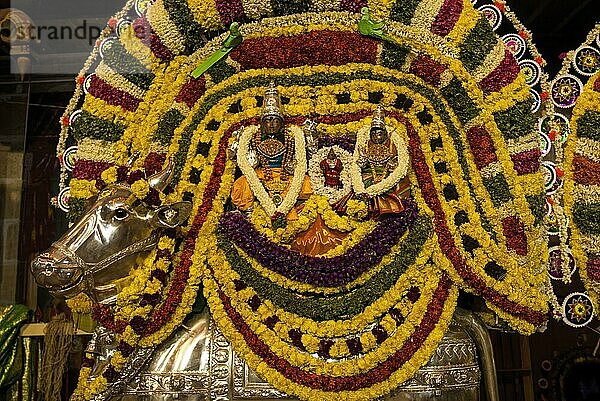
361, 319
582, 181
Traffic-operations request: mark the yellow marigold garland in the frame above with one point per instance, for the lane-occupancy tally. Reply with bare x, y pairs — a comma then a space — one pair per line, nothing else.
580, 192
144, 143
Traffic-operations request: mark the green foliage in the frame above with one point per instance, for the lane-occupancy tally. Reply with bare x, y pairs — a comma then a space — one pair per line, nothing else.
89, 126
516, 121
167, 125
403, 10
587, 218
477, 44
588, 126
458, 98
498, 189
182, 16
394, 56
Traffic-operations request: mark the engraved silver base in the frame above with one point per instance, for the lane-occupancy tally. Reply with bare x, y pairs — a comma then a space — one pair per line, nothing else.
198, 364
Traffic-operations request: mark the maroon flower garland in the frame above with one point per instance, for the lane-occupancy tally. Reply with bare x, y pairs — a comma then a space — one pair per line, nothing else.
527, 162
347, 383
446, 240
89, 169
154, 162
192, 91
312, 48
111, 95
230, 10
428, 69
179, 280
146, 34
447, 17
502, 75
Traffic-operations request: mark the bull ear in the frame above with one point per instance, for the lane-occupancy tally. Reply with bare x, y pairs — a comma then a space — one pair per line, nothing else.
173, 215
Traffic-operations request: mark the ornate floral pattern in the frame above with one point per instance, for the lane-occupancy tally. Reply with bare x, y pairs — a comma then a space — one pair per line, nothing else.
581, 183
326, 272
460, 121
317, 177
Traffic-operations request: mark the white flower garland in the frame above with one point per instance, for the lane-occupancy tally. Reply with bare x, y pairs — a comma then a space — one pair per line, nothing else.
362, 137
257, 187
317, 179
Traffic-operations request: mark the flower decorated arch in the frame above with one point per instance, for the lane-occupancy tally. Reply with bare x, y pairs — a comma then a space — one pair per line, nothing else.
572, 181
581, 194
363, 318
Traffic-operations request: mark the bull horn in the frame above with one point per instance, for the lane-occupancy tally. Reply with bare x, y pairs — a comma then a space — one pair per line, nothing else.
160, 180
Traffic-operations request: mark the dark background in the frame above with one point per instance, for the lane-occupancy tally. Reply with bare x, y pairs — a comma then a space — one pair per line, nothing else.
557, 25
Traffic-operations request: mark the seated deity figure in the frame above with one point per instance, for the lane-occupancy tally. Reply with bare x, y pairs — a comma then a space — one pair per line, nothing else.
271, 162
382, 165
331, 167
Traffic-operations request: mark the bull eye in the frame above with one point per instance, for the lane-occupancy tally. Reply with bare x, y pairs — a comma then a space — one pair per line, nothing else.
121, 213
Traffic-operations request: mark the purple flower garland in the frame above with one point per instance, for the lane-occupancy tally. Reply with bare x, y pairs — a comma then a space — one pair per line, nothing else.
320, 271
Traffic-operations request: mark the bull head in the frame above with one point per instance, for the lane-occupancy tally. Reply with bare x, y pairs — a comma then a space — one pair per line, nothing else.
102, 246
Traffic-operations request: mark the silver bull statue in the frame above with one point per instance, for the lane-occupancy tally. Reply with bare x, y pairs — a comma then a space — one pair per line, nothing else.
196, 362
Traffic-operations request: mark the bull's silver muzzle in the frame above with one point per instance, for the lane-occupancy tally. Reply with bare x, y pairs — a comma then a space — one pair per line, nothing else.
57, 272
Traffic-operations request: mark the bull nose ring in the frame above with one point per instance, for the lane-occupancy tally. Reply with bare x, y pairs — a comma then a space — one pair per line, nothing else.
40, 267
